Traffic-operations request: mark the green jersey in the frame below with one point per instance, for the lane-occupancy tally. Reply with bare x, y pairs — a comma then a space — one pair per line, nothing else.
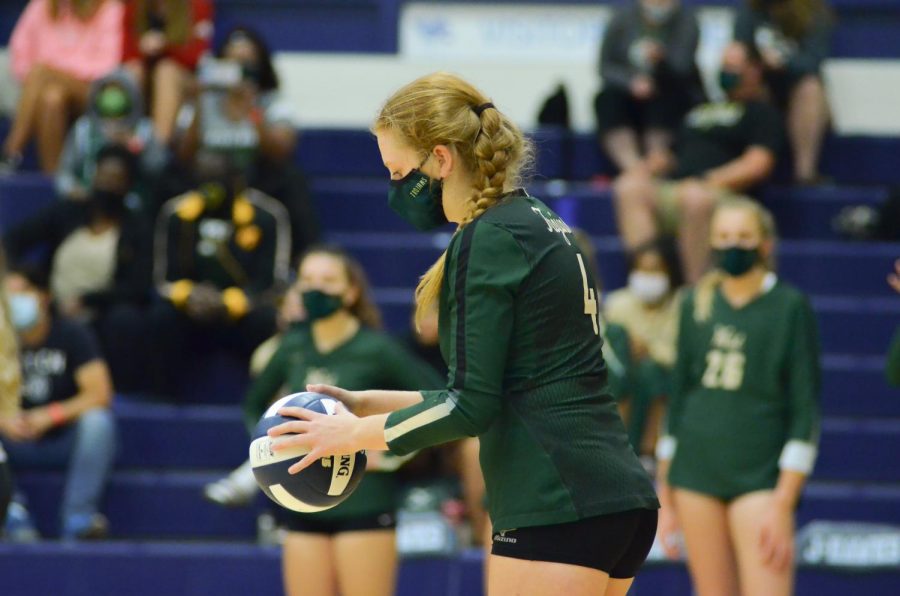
369, 359
745, 396
519, 331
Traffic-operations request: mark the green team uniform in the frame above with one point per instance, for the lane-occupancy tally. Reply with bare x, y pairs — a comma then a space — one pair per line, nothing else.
369, 359
745, 396
519, 331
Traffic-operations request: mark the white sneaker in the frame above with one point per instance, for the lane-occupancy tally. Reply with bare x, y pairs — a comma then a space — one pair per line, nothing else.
235, 490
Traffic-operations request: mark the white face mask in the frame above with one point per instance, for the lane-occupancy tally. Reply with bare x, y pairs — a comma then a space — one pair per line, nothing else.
650, 288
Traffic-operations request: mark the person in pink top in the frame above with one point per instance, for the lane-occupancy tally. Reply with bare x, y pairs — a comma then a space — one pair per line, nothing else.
57, 48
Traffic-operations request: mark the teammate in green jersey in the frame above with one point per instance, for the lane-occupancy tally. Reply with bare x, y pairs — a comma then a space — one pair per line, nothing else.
347, 550
744, 415
573, 511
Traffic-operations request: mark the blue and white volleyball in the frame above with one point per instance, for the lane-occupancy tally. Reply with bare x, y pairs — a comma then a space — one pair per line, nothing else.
324, 484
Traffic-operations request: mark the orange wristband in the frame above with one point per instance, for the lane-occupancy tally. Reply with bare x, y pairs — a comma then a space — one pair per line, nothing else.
57, 413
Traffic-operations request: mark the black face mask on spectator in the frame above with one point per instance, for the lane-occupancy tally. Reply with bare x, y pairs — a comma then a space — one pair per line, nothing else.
251, 73
218, 194
108, 203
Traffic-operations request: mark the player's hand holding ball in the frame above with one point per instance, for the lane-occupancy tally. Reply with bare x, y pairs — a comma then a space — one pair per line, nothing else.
351, 399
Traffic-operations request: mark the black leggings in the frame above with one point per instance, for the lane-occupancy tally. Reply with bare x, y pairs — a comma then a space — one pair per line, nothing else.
6, 485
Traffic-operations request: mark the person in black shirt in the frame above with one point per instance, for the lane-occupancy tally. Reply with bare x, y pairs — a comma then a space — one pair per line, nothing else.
66, 393
650, 80
723, 148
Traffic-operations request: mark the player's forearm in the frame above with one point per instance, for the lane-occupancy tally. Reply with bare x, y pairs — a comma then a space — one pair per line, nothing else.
369, 433
378, 401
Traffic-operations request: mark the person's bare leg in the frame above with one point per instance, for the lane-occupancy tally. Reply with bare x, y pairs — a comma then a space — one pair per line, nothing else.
756, 578
696, 204
622, 147
23, 123
807, 122
169, 80
366, 562
308, 566
61, 98
518, 577
634, 193
710, 554
618, 587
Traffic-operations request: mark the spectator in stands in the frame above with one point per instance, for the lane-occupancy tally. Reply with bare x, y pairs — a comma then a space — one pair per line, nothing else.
723, 148
221, 258
650, 81
892, 366
164, 40
792, 38
350, 549
743, 420
10, 386
646, 310
67, 392
246, 116
57, 48
115, 116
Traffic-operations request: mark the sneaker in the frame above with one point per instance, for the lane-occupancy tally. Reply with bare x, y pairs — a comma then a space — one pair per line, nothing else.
235, 490
93, 526
19, 527
859, 222
9, 163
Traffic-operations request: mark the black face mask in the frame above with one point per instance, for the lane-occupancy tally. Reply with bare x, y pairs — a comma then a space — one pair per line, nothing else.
108, 203
217, 193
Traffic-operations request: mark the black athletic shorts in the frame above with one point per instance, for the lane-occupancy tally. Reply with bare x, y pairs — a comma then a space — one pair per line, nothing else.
311, 524
616, 544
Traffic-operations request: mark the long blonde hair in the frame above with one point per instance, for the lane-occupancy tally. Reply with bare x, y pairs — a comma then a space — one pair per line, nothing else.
705, 289
440, 109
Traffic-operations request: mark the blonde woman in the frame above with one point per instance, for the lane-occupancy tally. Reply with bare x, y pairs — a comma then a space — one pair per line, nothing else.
572, 510
743, 418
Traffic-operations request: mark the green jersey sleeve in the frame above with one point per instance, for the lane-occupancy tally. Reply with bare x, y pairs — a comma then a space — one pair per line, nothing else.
665, 447
484, 269
266, 385
803, 381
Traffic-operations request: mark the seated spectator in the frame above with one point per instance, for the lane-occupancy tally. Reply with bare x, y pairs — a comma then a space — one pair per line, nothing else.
650, 80
115, 116
98, 253
221, 257
646, 311
66, 395
10, 385
246, 117
57, 48
164, 40
792, 38
723, 148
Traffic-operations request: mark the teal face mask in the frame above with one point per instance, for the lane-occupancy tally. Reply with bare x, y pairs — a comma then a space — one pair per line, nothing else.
729, 81
736, 260
417, 199
319, 305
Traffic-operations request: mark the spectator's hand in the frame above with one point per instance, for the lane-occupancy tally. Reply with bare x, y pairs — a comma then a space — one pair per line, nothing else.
642, 87
38, 421
894, 278
205, 304
693, 190
15, 429
772, 58
654, 52
776, 537
153, 43
659, 162
71, 307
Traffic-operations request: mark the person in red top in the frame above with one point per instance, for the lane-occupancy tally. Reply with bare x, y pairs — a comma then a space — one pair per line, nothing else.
162, 44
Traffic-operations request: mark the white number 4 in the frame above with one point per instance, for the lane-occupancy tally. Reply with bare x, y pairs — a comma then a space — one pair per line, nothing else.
590, 298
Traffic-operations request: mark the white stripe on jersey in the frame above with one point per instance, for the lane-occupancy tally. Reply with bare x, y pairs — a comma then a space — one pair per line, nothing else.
423, 418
